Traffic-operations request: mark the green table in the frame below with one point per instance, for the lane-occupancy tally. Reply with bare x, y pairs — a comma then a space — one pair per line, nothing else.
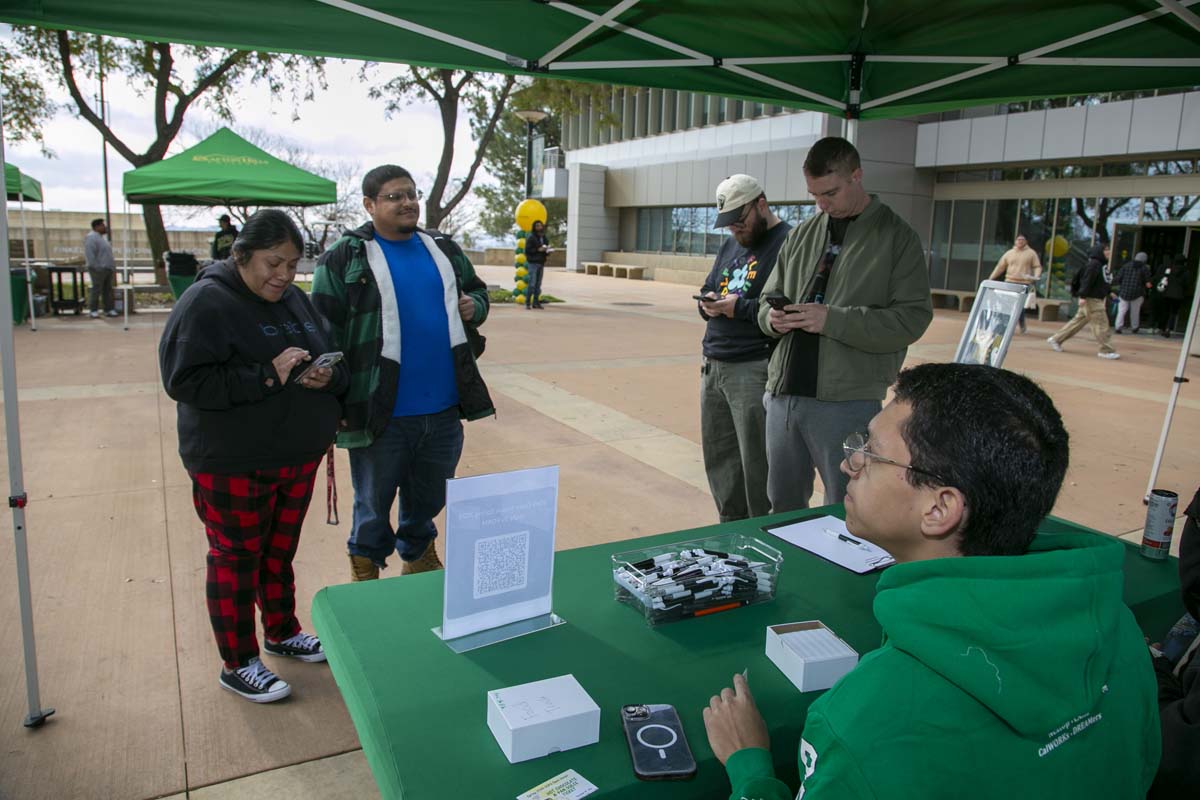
421, 710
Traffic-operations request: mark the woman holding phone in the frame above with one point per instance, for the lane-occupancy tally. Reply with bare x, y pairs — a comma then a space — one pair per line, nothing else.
253, 425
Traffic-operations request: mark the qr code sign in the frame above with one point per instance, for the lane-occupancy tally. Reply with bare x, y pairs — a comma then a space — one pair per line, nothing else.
501, 564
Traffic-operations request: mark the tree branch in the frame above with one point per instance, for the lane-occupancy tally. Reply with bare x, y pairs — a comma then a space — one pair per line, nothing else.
166, 136
85, 110
162, 80
484, 141
424, 84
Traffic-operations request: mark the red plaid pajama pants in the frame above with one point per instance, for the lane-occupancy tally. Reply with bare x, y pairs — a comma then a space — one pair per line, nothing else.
253, 526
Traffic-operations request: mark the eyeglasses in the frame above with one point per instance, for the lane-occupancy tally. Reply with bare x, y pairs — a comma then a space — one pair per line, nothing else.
745, 216
856, 453
412, 196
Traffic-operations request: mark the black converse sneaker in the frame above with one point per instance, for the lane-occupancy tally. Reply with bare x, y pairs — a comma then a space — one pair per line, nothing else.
255, 682
303, 646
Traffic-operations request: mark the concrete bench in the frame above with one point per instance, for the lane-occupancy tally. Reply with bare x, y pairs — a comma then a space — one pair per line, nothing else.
591, 268
962, 298
1048, 309
606, 269
632, 273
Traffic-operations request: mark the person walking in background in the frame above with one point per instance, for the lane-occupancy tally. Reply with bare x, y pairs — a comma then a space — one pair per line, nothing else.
1091, 286
857, 288
102, 269
1020, 264
536, 250
402, 304
222, 243
253, 426
1133, 281
733, 376
1170, 290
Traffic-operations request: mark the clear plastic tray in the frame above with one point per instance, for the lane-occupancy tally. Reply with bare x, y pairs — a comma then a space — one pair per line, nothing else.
733, 570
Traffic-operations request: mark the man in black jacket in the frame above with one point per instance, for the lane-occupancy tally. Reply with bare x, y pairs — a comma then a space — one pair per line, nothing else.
1092, 289
734, 375
1179, 680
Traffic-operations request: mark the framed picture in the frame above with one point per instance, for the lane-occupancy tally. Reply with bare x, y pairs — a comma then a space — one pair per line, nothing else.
994, 317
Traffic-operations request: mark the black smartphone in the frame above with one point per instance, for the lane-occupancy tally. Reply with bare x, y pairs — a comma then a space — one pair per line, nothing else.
777, 301
704, 299
657, 745
323, 360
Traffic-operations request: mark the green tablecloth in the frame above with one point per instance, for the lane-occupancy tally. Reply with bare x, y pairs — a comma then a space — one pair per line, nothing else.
421, 710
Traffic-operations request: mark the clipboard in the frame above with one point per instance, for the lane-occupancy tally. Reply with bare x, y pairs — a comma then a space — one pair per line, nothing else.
828, 538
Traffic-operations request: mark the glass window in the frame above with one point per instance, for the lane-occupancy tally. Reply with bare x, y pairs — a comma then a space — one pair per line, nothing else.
1116, 224
681, 220
1176, 207
965, 237
696, 240
643, 229
939, 243
999, 230
654, 235
1074, 221
712, 238
1035, 221
667, 231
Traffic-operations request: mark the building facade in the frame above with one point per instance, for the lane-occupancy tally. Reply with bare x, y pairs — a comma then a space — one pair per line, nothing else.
1065, 173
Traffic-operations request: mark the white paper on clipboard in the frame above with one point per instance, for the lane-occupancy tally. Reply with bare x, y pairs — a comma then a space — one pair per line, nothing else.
828, 538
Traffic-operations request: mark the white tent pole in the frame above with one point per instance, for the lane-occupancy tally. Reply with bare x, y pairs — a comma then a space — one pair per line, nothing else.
851, 135
25, 247
1179, 380
1180, 11
655, 63
586, 31
16, 481
127, 289
45, 236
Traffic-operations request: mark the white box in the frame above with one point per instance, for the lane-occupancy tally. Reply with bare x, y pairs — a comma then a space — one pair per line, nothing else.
543, 717
809, 654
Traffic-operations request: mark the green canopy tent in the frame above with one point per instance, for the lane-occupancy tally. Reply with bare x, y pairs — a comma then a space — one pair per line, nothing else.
868, 59
21, 187
223, 170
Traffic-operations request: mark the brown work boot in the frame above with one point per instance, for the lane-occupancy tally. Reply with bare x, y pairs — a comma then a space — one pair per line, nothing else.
428, 562
363, 569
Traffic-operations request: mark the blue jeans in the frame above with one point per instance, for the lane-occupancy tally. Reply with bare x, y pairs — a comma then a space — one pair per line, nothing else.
534, 282
413, 458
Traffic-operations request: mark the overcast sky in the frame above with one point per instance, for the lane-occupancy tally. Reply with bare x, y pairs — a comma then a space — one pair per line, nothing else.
340, 123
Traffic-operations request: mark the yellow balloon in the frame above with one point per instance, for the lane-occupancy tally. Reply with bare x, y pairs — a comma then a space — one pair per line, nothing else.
529, 212
521, 286
520, 259
1059, 246
522, 272
521, 243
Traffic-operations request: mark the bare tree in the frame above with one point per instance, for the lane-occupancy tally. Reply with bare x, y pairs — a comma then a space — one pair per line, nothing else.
153, 68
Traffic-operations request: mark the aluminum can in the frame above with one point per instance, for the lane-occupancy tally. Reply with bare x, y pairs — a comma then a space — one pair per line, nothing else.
1160, 524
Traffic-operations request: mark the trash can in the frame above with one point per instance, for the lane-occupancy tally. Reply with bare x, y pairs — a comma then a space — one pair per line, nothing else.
181, 271
20, 295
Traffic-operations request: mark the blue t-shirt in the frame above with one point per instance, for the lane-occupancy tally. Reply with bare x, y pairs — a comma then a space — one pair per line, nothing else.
427, 382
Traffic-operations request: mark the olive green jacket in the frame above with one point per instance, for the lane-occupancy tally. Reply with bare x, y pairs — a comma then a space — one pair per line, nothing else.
878, 298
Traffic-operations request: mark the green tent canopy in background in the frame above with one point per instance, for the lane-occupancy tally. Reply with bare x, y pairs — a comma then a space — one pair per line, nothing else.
226, 170
854, 58
19, 186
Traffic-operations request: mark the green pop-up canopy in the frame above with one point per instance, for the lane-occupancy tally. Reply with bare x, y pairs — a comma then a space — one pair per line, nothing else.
226, 170
19, 186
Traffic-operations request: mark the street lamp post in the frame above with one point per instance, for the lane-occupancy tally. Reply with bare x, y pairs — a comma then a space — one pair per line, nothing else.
532, 117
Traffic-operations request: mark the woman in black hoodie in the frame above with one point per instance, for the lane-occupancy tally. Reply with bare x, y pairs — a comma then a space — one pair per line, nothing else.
1092, 288
253, 425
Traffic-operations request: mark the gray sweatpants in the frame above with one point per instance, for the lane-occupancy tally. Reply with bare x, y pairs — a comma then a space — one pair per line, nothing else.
733, 436
804, 434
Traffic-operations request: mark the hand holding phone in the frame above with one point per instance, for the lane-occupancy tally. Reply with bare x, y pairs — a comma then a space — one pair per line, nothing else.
777, 301
705, 299
321, 361
657, 743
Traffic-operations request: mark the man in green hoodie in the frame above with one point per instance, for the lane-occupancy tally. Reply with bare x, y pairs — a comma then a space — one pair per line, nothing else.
1010, 666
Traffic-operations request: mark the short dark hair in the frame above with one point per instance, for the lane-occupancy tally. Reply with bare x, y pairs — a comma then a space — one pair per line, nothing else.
97, 222
264, 230
831, 154
995, 436
374, 180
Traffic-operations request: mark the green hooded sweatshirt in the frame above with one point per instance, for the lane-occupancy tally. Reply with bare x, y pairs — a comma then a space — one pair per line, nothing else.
999, 677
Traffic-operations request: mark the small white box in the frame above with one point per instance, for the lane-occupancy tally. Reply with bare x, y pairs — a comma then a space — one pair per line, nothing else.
809, 654
543, 717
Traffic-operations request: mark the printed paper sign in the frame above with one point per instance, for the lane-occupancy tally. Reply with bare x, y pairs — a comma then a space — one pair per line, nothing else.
568, 786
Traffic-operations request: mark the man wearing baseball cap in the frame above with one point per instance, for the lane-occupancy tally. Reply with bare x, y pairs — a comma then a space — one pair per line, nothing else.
222, 243
734, 373
857, 295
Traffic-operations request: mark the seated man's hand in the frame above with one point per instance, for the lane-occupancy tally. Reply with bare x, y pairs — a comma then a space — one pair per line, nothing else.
733, 723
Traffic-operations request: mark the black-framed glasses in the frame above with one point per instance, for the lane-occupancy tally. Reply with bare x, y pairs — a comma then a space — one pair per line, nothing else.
413, 195
856, 453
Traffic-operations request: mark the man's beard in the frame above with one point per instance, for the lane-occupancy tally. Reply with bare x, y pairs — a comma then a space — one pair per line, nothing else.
754, 235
